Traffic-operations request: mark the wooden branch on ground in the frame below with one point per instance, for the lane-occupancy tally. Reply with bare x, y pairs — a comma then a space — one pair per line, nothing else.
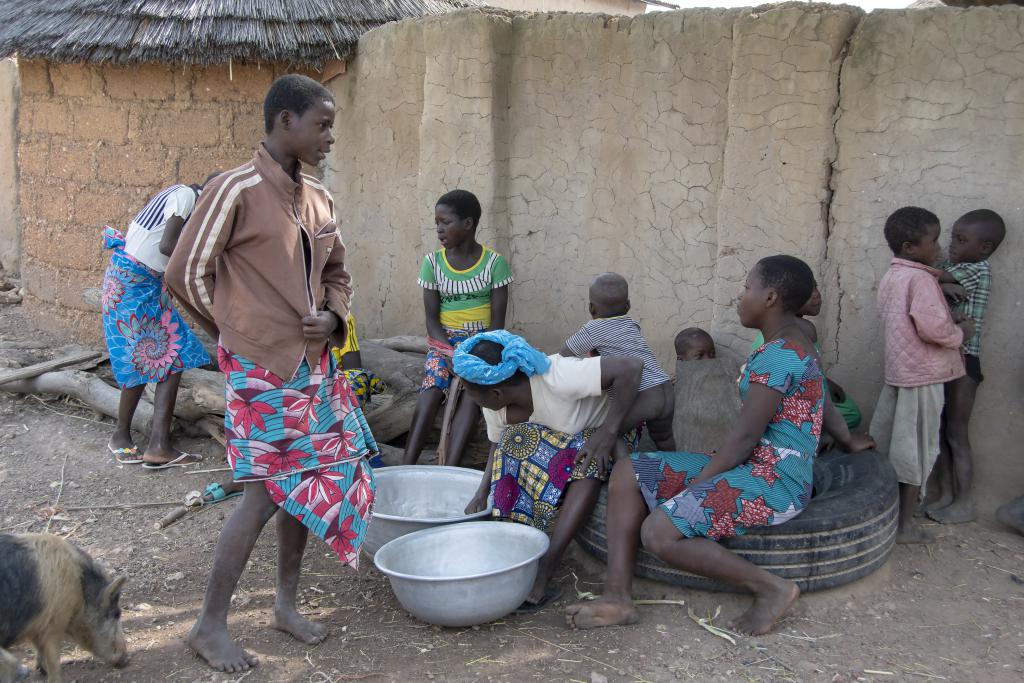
200, 394
389, 416
87, 388
402, 373
38, 369
393, 456
404, 343
215, 428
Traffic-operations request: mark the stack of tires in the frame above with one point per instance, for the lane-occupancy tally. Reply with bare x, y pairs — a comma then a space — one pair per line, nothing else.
846, 532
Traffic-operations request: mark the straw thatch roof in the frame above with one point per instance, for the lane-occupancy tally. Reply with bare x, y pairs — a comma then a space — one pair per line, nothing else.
308, 32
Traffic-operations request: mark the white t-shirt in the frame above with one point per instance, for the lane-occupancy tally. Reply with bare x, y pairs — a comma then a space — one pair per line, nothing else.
142, 242
566, 398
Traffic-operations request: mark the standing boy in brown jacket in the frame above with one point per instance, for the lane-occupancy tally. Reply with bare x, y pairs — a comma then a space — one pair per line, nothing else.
262, 267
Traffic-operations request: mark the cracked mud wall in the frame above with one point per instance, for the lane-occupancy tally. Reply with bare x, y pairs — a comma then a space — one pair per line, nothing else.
932, 114
779, 146
678, 148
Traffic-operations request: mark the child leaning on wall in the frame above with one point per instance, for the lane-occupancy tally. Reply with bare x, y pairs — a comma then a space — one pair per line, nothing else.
967, 276
922, 352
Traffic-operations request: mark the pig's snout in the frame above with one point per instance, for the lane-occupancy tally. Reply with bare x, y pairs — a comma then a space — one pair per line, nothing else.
119, 657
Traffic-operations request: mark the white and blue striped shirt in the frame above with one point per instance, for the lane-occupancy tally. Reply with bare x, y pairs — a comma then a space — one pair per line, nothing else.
619, 336
142, 241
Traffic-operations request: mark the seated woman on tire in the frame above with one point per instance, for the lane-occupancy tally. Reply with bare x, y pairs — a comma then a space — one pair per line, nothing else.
679, 504
552, 433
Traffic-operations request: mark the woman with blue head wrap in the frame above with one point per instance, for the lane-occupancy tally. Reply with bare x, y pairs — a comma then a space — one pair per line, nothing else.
552, 432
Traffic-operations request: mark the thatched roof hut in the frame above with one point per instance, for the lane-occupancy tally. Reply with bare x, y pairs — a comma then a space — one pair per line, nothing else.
297, 32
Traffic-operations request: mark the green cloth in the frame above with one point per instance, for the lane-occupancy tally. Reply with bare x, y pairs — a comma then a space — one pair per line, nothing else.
465, 294
849, 410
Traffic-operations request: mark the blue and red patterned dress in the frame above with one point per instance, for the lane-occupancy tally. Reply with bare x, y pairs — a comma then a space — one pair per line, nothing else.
147, 338
307, 439
774, 484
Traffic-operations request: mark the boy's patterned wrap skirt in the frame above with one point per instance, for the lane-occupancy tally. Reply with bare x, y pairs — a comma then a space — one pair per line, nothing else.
307, 440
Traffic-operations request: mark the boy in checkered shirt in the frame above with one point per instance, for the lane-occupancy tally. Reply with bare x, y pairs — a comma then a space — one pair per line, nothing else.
967, 280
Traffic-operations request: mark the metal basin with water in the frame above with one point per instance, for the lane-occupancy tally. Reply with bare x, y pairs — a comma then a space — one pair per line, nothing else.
463, 574
416, 497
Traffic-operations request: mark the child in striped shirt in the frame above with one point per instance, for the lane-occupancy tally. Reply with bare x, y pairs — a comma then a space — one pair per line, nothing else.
967, 278
465, 291
611, 332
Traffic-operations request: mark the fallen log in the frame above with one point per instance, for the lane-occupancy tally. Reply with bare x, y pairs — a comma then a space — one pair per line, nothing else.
389, 416
200, 394
87, 388
404, 343
38, 369
402, 373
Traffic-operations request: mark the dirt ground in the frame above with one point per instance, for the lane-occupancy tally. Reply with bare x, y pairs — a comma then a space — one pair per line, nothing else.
950, 611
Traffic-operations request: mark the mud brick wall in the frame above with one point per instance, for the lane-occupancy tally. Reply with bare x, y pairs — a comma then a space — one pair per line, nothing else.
95, 143
678, 148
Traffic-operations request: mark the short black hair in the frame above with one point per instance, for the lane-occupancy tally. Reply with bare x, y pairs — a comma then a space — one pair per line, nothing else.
991, 224
610, 290
791, 278
294, 93
690, 337
463, 204
908, 224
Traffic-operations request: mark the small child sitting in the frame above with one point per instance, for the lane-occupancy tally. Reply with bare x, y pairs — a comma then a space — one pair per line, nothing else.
694, 343
922, 352
613, 333
976, 236
365, 385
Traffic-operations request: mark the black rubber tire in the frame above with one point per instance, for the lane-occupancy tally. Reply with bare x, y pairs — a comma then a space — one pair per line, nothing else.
846, 532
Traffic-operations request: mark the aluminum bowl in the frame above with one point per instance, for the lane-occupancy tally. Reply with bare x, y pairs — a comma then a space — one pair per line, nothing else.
463, 574
416, 497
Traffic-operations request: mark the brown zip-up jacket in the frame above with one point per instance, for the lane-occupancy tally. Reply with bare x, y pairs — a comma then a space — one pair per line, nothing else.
260, 252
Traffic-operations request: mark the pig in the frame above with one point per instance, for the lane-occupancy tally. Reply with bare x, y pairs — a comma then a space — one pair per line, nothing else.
50, 590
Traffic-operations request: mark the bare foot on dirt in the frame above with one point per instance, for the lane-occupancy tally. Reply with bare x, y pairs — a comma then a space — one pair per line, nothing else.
217, 649
768, 608
912, 533
604, 611
959, 512
298, 627
1012, 514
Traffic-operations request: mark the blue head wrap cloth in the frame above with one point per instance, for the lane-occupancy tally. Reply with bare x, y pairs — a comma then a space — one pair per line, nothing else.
517, 355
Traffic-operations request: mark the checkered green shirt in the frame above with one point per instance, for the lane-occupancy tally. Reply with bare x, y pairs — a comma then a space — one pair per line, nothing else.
977, 280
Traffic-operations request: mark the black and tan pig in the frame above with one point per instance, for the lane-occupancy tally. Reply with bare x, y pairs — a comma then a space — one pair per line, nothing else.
51, 591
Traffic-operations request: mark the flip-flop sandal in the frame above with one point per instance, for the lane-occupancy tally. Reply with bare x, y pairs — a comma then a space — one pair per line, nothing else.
126, 456
183, 460
217, 494
552, 594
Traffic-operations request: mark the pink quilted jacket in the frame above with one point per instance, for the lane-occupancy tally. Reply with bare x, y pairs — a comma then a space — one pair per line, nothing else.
922, 344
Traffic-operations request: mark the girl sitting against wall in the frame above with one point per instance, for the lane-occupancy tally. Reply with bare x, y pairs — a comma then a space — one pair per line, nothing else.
465, 291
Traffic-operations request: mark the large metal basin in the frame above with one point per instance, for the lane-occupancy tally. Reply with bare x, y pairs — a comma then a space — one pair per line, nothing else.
416, 497
463, 574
